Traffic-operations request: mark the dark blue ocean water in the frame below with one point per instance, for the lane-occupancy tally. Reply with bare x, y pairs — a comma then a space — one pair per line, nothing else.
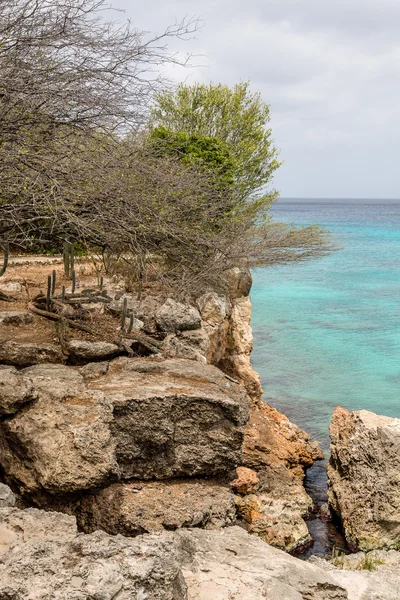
327, 332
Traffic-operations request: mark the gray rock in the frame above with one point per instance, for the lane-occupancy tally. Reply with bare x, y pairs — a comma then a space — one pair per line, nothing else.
10, 287
82, 351
94, 370
62, 442
144, 419
26, 354
173, 316
15, 317
43, 557
7, 496
173, 418
364, 477
142, 507
15, 390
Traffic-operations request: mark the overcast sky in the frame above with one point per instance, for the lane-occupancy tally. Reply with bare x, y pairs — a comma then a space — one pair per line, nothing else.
330, 71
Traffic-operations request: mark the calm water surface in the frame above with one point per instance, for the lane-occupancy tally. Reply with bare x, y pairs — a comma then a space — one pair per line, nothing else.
327, 332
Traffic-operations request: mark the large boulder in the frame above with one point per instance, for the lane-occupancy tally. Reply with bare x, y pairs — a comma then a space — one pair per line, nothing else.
364, 477
81, 351
143, 418
42, 556
143, 507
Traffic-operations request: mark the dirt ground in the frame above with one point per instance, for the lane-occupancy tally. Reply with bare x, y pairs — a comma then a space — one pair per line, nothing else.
32, 277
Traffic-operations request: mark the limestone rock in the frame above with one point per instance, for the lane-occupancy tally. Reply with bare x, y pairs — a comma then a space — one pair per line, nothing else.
187, 344
10, 287
173, 417
94, 370
7, 497
144, 311
61, 443
144, 418
271, 440
364, 477
230, 564
276, 508
239, 282
43, 557
246, 480
15, 390
214, 314
16, 317
143, 507
82, 351
26, 354
173, 316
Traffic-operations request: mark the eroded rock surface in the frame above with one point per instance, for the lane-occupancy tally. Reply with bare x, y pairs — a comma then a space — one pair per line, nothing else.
42, 556
27, 354
142, 507
364, 477
144, 418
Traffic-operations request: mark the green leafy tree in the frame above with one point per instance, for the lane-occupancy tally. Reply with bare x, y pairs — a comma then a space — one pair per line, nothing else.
235, 116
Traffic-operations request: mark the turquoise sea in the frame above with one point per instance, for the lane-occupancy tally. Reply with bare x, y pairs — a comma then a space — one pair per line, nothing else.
327, 332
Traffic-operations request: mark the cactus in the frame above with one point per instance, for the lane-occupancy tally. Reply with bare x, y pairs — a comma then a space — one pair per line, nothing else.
73, 282
101, 283
63, 293
6, 250
53, 282
131, 319
48, 295
68, 258
124, 313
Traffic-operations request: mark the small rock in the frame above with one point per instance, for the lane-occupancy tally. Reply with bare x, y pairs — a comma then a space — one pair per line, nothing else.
325, 513
7, 496
88, 351
94, 370
14, 317
173, 316
11, 287
246, 480
132, 509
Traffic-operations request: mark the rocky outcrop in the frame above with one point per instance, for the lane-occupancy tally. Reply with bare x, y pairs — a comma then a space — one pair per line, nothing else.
142, 507
275, 509
25, 354
144, 418
364, 477
43, 556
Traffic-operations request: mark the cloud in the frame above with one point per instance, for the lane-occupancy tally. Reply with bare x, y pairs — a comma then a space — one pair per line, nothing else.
329, 70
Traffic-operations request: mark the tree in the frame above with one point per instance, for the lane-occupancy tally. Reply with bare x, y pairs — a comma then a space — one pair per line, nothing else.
70, 82
235, 116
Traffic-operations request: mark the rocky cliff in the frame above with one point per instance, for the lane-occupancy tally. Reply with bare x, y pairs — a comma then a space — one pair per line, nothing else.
364, 478
136, 444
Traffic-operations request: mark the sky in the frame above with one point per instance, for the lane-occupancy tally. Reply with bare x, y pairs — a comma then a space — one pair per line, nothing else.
329, 69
